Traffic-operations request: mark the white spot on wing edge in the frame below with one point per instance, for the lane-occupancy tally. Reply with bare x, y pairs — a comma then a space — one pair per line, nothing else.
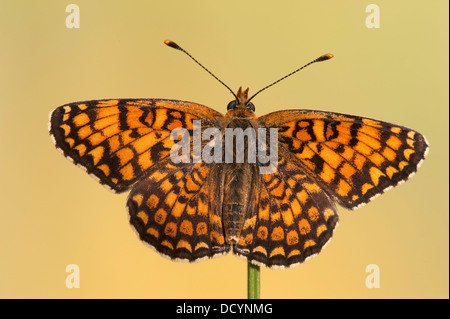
49, 124
426, 142
109, 188
95, 178
83, 168
49, 127
53, 138
425, 154
70, 159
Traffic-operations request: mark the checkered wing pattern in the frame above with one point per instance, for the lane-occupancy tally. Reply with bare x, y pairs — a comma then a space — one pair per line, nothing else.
174, 210
117, 141
292, 219
353, 159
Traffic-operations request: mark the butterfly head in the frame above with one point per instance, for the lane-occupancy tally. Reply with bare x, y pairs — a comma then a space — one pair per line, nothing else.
241, 102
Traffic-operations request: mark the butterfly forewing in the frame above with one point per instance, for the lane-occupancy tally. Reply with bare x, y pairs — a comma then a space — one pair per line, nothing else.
352, 158
118, 140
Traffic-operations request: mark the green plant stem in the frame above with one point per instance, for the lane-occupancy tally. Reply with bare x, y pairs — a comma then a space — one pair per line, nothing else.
252, 281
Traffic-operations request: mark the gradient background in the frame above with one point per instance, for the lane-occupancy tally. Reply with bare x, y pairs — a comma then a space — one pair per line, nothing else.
53, 214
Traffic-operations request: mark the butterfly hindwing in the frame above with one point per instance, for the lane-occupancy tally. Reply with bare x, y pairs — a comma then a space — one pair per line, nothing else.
352, 158
117, 141
292, 219
173, 210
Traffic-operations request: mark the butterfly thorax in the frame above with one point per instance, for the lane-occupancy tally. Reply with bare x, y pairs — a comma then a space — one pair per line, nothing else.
240, 114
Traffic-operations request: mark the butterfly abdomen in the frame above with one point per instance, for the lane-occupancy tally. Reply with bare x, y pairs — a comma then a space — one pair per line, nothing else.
237, 182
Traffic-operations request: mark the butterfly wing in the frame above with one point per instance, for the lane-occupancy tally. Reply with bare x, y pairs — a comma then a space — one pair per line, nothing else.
292, 219
174, 210
352, 158
117, 141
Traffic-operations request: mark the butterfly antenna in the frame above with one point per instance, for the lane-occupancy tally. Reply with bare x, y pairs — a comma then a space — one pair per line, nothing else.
319, 59
176, 46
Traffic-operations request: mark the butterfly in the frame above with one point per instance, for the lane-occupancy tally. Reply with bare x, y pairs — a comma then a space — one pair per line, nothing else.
197, 209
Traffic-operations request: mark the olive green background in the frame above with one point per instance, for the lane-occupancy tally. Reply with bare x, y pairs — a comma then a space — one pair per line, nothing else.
53, 214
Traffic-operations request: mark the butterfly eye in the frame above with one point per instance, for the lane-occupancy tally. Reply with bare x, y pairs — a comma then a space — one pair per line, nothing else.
251, 106
232, 105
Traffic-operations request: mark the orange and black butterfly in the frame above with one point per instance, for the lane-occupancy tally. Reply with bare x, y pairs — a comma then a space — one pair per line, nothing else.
195, 210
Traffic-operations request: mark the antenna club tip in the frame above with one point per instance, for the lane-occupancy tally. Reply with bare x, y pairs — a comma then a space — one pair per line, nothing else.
172, 44
325, 57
